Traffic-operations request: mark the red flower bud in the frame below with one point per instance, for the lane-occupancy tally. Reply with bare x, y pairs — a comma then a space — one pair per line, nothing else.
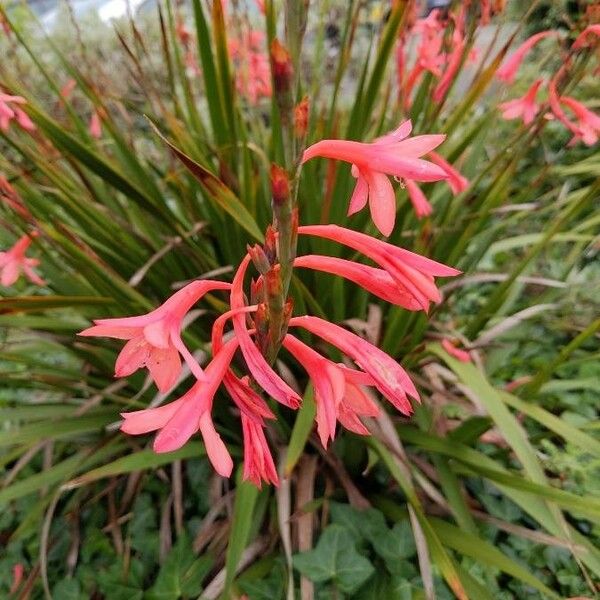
259, 258
270, 246
301, 117
281, 64
280, 185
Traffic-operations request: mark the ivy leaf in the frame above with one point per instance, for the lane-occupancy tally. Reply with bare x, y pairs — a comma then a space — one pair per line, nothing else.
182, 573
366, 524
396, 546
336, 559
117, 584
68, 589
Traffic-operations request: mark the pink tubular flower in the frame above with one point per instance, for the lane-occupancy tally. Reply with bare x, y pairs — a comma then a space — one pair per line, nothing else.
525, 107
258, 366
508, 71
10, 109
588, 123
413, 274
179, 420
452, 67
253, 71
337, 394
391, 154
14, 261
155, 338
258, 462
457, 353
587, 37
10, 196
95, 126
457, 182
18, 572
388, 376
417, 199
376, 281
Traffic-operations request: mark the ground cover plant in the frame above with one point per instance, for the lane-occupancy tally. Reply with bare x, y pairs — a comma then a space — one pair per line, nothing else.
342, 257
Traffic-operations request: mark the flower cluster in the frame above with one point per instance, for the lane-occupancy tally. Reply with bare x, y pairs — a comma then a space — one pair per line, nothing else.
584, 123
13, 262
10, 109
154, 340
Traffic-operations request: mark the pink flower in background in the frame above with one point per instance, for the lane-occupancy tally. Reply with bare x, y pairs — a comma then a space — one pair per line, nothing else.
457, 182
508, 71
260, 369
413, 274
9, 195
178, 421
67, 90
253, 70
95, 126
452, 66
261, 6
18, 572
457, 353
587, 128
388, 376
376, 281
10, 109
418, 199
154, 339
587, 38
525, 107
13, 262
258, 462
391, 154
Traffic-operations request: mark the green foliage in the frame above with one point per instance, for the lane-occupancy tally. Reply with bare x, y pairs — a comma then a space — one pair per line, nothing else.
502, 487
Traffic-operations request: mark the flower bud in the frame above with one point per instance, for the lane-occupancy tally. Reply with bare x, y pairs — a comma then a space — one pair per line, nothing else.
257, 291
270, 246
273, 282
259, 258
301, 117
280, 185
281, 64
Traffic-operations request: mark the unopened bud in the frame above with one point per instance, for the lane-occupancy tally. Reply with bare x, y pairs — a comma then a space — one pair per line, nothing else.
257, 291
273, 282
280, 185
259, 258
301, 117
270, 246
283, 70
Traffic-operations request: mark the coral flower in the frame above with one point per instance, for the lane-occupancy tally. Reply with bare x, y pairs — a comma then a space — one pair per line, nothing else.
10, 109
588, 123
457, 182
457, 353
418, 199
452, 67
179, 420
587, 37
258, 462
155, 338
258, 366
95, 126
388, 376
10, 196
13, 262
337, 394
508, 71
376, 281
391, 154
412, 273
525, 107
